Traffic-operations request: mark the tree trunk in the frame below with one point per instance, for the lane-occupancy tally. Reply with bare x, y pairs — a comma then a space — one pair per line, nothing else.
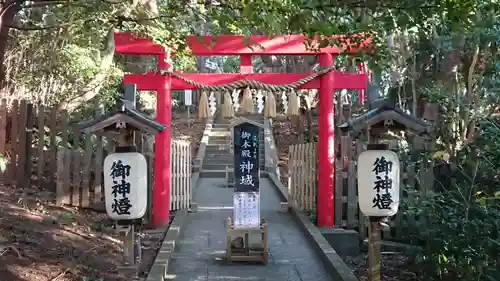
309, 121
7, 14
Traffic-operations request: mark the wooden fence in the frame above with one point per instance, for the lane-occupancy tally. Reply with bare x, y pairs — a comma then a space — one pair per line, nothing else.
44, 151
82, 186
181, 193
302, 182
302, 185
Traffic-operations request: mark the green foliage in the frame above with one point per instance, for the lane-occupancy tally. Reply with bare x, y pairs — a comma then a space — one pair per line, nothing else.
460, 239
459, 228
312, 214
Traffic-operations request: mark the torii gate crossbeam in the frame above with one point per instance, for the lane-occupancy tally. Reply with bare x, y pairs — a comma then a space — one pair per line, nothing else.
126, 43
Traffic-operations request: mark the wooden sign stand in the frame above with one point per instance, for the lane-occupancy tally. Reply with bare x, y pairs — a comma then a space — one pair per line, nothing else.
229, 177
238, 248
245, 147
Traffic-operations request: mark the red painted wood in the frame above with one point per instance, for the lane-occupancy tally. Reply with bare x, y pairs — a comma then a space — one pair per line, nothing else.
145, 82
162, 183
161, 190
362, 94
127, 43
151, 81
326, 146
232, 45
246, 66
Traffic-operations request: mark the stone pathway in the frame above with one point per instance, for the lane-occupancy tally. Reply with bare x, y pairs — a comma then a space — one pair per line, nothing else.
202, 246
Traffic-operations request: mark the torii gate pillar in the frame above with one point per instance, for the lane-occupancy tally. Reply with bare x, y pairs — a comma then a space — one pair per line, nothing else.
161, 192
326, 144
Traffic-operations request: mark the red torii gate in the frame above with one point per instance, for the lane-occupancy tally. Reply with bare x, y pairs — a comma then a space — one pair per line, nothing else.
231, 45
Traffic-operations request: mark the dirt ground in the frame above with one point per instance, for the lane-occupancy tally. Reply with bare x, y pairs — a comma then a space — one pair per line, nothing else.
42, 242
394, 267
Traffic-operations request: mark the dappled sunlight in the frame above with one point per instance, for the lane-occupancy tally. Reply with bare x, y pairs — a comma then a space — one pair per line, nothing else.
214, 208
41, 241
169, 276
226, 277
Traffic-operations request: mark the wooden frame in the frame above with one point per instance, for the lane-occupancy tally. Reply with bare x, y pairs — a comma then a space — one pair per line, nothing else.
234, 45
349, 81
229, 177
259, 254
233, 123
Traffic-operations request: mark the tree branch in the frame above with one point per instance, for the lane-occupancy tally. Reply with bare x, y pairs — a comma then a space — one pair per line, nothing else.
339, 4
96, 84
45, 3
35, 27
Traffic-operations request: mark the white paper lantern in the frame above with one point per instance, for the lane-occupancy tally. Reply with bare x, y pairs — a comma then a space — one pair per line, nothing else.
125, 185
378, 183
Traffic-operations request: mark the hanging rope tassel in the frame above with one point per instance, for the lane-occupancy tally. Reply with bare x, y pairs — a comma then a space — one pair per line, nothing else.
227, 106
270, 106
266, 105
247, 102
293, 105
203, 106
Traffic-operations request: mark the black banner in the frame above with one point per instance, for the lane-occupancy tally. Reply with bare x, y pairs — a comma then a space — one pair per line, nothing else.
246, 158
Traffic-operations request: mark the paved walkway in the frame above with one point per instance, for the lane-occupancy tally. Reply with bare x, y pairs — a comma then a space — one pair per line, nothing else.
203, 244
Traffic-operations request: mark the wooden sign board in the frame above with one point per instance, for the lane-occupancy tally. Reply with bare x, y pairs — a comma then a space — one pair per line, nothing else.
246, 197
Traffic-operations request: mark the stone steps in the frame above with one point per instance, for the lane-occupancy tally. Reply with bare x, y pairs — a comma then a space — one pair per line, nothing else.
226, 157
222, 174
222, 166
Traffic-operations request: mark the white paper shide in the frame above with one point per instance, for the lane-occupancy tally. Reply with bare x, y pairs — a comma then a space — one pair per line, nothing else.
125, 185
188, 97
246, 209
378, 183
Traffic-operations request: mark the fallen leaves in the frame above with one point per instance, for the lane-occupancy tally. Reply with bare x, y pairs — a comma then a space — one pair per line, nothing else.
6, 249
43, 242
394, 267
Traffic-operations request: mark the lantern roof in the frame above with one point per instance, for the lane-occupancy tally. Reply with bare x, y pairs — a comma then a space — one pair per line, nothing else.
385, 113
124, 112
135, 121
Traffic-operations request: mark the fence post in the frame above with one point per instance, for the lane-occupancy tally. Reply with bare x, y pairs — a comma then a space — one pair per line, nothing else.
61, 191
14, 135
28, 161
22, 155
41, 164
53, 131
3, 126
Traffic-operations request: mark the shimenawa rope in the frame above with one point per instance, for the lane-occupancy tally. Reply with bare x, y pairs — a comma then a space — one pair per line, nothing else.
253, 84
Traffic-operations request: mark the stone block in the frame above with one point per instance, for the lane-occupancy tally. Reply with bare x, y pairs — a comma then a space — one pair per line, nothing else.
345, 242
193, 207
284, 207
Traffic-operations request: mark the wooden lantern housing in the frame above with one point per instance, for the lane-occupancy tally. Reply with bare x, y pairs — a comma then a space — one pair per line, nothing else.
124, 118
384, 118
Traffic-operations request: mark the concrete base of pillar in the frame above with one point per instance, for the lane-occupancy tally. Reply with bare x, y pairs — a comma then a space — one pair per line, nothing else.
346, 243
